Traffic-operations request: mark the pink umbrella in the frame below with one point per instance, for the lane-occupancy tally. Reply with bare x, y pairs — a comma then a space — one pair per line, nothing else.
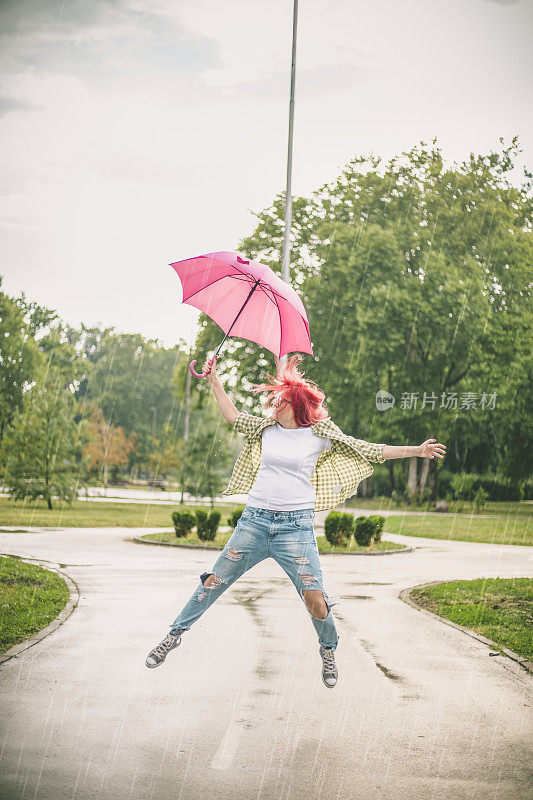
246, 299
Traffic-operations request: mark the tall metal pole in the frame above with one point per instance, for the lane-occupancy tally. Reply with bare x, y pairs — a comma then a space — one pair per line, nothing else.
286, 252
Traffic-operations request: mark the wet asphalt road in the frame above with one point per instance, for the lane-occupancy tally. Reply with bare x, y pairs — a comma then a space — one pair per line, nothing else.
421, 711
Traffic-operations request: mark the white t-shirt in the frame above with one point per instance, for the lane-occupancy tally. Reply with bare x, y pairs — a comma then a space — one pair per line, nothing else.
288, 459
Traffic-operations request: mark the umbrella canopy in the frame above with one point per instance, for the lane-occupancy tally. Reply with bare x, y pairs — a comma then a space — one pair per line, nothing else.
247, 299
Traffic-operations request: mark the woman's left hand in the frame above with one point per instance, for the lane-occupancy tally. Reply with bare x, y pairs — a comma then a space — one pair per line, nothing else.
431, 448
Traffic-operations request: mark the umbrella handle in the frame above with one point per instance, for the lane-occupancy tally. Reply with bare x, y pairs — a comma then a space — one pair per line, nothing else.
199, 374
193, 372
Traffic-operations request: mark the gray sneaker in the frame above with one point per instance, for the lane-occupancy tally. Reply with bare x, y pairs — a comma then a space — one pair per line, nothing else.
159, 653
329, 668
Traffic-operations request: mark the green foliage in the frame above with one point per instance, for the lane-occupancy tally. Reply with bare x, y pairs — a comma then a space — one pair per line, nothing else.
40, 448
397, 497
480, 498
201, 523
128, 375
365, 530
212, 525
498, 608
526, 490
19, 357
463, 486
338, 528
184, 522
235, 517
206, 526
206, 456
496, 487
378, 521
422, 271
30, 598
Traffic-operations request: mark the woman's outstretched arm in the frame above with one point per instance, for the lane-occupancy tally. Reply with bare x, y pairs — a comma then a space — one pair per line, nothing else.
227, 409
428, 449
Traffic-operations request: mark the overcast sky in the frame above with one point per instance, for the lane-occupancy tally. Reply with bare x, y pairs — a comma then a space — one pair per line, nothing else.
138, 133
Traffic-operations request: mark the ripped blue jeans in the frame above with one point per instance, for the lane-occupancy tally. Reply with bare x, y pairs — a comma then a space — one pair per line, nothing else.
286, 536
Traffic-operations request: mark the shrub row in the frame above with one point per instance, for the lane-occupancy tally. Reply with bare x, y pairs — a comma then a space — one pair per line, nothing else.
465, 486
340, 526
206, 525
496, 488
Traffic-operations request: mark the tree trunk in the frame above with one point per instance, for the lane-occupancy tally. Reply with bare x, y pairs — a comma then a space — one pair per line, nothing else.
433, 480
392, 476
105, 478
412, 479
424, 474
404, 466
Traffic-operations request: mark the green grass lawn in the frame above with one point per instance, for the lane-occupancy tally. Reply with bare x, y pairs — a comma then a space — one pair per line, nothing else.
94, 514
497, 530
500, 529
223, 536
492, 507
30, 598
499, 608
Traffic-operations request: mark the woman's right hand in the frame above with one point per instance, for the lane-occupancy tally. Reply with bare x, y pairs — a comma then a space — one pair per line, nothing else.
210, 367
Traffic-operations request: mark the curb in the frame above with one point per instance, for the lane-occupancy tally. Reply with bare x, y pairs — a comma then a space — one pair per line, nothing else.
138, 540
72, 602
405, 595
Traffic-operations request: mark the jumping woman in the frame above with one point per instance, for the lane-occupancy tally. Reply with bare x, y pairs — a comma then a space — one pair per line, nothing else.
294, 462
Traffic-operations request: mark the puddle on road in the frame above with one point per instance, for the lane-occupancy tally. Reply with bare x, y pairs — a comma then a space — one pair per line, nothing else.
373, 583
385, 670
365, 645
356, 597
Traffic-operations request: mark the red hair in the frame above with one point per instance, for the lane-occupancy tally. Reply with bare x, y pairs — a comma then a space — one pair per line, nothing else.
304, 395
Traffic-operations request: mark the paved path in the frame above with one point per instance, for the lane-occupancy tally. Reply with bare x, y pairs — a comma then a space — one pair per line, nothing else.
421, 711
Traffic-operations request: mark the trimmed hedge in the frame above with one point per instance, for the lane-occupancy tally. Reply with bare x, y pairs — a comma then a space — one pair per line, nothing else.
206, 525
184, 522
235, 517
340, 526
378, 521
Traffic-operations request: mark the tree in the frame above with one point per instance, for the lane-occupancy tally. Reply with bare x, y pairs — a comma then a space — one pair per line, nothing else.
166, 459
19, 358
107, 445
126, 376
416, 277
205, 456
40, 448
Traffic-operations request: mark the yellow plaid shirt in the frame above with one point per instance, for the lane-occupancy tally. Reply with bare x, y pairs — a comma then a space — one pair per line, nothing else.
338, 472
